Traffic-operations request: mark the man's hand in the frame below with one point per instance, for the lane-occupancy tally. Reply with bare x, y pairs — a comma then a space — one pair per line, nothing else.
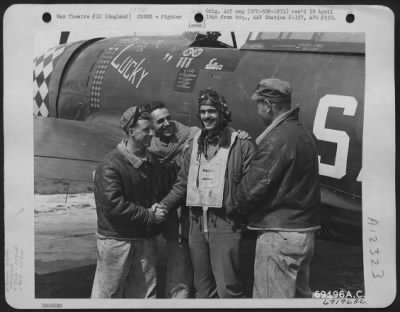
154, 207
157, 205
239, 219
159, 211
243, 135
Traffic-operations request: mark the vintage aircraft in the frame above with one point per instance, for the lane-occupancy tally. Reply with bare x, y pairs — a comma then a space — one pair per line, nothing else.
82, 88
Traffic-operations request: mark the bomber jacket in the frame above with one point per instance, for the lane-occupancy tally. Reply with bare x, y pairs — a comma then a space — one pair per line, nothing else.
238, 163
281, 190
124, 190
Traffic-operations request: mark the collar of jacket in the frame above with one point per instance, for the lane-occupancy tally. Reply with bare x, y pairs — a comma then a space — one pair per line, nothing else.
292, 114
133, 159
224, 139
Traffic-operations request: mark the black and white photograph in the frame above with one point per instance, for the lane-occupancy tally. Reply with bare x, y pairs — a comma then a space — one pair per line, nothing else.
201, 163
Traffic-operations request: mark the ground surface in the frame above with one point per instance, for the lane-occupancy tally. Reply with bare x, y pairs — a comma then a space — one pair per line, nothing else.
65, 252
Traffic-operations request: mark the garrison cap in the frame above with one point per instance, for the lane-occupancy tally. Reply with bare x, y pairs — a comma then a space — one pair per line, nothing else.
274, 90
132, 115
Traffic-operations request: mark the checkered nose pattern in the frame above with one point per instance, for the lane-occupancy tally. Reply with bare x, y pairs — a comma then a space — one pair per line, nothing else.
42, 70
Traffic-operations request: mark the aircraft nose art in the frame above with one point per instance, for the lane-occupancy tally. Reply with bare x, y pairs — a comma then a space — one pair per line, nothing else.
122, 62
109, 75
131, 70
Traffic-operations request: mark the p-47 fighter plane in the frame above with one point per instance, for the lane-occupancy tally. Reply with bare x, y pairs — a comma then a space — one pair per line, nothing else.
82, 88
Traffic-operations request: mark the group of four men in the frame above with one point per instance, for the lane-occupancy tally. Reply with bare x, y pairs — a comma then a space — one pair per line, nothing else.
201, 188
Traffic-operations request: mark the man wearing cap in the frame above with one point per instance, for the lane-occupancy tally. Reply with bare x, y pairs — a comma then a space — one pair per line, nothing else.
125, 187
211, 170
280, 195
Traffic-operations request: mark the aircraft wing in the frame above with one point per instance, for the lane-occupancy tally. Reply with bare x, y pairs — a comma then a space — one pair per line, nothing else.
70, 150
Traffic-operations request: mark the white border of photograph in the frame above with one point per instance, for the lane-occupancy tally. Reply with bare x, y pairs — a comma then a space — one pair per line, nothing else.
21, 22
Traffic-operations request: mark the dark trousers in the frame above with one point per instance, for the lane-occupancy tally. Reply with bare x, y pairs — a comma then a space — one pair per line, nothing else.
179, 275
215, 259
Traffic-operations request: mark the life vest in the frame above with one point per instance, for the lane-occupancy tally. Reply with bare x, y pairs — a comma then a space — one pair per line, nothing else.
205, 187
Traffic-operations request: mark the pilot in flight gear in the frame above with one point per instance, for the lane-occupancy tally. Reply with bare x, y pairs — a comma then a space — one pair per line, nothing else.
211, 170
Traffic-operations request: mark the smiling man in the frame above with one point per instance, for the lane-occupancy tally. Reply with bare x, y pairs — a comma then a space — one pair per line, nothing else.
125, 187
211, 170
171, 138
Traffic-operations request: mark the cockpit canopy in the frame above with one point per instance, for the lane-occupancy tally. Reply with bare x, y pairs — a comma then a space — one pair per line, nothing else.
341, 42
328, 42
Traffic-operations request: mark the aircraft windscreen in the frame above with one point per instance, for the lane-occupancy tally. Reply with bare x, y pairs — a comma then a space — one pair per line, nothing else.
337, 42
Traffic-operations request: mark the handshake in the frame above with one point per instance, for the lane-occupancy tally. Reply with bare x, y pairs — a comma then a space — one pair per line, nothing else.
159, 211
